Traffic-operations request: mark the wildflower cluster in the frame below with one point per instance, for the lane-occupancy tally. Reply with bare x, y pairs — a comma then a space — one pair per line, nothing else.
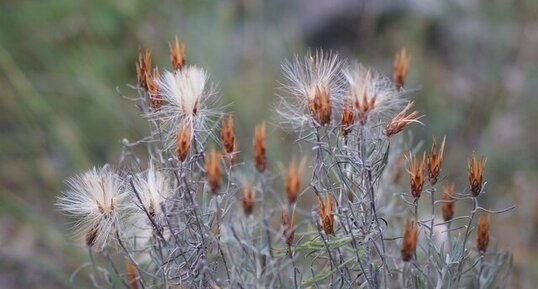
192, 216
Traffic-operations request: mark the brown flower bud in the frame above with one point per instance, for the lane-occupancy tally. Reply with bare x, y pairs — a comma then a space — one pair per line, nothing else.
409, 243
143, 67
435, 161
348, 118
448, 204
326, 213
227, 134
416, 173
293, 180
259, 148
482, 238
400, 121
248, 199
401, 66
212, 170
155, 98
177, 55
363, 105
288, 226
91, 236
476, 174
132, 275
183, 142
320, 106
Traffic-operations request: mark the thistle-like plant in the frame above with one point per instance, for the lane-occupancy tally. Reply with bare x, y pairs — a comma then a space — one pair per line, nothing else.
190, 217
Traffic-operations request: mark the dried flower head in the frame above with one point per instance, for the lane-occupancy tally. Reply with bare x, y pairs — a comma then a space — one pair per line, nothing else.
152, 83
401, 120
409, 243
213, 173
371, 94
435, 160
448, 204
476, 174
482, 238
347, 120
183, 145
293, 179
401, 66
143, 67
288, 226
177, 55
132, 275
314, 86
186, 96
259, 148
416, 173
248, 199
94, 199
326, 213
152, 186
227, 134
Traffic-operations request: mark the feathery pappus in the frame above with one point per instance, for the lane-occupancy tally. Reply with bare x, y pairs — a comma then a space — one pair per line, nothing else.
95, 199
371, 94
188, 102
313, 88
153, 188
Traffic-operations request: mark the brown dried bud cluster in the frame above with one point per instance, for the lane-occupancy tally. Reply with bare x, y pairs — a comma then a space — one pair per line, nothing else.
401, 66
416, 173
155, 98
476, 174
259, 148
227, 134
143, 67
435, 160
177, 55
288, 226
212, 170
320, 106
400, 121
293, 180
348, 118
409, 243
248, 199
448, 204
482, 238
326, 213
183, 142
132, 275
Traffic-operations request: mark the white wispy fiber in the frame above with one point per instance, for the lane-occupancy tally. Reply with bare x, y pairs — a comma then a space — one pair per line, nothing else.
188, 102
303, 78
95, 199
365, 87
153, 188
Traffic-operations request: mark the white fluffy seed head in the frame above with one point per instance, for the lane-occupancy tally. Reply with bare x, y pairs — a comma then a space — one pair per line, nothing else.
302, 79
369, 89
188, 102
154, 190
95, 200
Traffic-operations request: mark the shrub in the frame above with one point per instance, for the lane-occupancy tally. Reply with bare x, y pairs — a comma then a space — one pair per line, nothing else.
190, 217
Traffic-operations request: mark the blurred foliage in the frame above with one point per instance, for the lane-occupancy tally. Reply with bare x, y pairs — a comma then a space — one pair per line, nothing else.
64, 66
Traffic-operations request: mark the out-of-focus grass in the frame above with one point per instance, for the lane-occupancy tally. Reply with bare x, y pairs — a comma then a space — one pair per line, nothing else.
64, 64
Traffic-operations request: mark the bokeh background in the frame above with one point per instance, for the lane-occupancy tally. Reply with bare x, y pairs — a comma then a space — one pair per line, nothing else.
64, 65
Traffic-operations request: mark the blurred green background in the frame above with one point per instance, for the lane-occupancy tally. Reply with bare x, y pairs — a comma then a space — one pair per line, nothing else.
64, 64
